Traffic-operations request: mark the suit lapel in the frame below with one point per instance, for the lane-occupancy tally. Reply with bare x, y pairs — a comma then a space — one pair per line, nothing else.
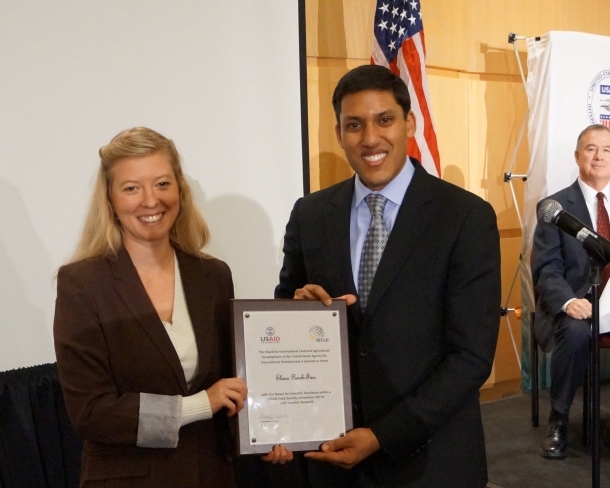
577, 205
412, 219
337, 230
131, 290
200, 295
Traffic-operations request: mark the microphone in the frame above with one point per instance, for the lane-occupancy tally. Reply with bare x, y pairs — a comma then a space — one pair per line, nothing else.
597, 247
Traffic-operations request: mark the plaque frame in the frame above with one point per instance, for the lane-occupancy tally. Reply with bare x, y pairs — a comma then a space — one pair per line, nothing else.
239, 309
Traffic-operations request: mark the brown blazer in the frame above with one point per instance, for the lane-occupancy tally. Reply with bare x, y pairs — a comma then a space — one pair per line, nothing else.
111, 346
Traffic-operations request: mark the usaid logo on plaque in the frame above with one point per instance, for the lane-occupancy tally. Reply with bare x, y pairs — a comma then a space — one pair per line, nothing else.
598, 99
317, 334
270, 337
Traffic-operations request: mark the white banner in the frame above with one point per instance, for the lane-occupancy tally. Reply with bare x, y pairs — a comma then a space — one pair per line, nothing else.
568, 88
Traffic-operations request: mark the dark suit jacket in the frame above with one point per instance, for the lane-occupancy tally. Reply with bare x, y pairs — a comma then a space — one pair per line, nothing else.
560, 265
111, 345
425, 343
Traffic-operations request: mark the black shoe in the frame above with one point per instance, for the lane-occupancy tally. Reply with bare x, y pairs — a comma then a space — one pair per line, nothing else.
555, 443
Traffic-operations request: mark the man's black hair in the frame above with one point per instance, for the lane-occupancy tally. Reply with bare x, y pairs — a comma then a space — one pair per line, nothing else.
371, 77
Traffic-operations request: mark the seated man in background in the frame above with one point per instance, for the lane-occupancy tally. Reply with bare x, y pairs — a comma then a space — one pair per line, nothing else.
560, 272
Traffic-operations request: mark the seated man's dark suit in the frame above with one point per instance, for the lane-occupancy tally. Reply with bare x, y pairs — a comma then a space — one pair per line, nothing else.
560, 272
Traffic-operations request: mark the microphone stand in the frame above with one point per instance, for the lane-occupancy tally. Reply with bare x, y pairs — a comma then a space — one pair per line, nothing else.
594, 367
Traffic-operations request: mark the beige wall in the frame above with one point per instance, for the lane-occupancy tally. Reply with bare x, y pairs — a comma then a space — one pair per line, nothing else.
478, 101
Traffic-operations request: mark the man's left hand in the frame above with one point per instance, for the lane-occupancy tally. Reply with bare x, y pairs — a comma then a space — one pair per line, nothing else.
349, 450
279, 454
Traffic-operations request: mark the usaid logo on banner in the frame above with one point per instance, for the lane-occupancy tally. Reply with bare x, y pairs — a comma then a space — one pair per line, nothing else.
270, 337
598, 99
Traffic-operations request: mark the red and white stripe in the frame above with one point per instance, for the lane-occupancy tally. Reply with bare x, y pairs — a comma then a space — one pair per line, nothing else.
410, 65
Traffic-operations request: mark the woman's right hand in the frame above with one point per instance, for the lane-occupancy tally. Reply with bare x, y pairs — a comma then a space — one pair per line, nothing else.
230, 393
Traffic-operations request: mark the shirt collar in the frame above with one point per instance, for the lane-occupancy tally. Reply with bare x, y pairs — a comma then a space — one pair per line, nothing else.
590, 193
393, 191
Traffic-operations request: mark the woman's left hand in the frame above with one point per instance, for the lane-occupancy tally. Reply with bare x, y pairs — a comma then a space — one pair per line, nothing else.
229, 393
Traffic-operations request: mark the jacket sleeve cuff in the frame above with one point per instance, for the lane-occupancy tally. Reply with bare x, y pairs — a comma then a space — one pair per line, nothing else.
564, 308
400, 439
159, 420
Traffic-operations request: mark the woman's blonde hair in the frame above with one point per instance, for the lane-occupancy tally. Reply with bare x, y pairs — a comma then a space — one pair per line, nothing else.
101, 235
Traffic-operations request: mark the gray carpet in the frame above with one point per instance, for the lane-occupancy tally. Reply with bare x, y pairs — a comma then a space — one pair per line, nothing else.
513, 444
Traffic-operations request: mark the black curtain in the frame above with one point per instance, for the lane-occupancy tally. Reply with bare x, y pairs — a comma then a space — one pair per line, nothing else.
38, 447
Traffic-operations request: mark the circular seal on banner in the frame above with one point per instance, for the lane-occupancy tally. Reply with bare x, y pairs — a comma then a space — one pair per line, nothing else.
598, 99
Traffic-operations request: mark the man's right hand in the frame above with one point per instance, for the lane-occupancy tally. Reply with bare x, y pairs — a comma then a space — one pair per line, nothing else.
316, 292
580, 309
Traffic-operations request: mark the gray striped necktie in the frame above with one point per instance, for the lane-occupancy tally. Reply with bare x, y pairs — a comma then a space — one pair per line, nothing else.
374, 244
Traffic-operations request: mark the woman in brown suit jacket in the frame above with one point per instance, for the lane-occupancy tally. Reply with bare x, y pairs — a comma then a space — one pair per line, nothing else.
142, 328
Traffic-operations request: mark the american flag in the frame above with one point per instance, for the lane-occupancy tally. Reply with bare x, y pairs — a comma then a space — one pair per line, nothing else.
605, 120
399, 45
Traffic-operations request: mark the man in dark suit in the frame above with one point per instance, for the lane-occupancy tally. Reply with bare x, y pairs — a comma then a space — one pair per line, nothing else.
423, 343
560, 272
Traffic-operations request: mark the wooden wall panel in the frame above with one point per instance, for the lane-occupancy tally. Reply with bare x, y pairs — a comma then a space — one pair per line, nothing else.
507, 364
459, 33
327, 160
358, 22
314, 121
447, 89
497, 108
446, 31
